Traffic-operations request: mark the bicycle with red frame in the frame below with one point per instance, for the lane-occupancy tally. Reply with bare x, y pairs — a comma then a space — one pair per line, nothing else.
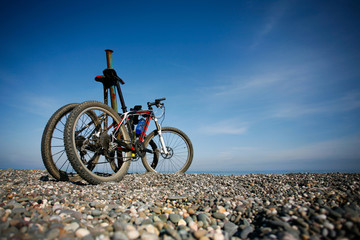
100, 143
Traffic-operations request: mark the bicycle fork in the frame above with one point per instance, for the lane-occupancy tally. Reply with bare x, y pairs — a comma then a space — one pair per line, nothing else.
163, 146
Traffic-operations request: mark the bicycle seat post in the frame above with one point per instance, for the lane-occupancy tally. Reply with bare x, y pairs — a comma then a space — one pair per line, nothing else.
112, 89
109, 58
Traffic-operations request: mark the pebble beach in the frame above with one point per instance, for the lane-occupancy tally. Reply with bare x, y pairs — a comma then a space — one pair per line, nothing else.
151, 206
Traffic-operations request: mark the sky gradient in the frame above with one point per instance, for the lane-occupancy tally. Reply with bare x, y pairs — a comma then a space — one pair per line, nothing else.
256, 85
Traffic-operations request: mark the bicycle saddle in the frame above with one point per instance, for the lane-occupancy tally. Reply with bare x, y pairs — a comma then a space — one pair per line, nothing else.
110, 78
111, 74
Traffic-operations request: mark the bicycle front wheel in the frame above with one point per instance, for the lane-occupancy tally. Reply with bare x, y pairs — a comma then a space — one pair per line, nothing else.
179, 148
90, 144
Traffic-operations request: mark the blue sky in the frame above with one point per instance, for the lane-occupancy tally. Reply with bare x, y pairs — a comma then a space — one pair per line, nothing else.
257, 85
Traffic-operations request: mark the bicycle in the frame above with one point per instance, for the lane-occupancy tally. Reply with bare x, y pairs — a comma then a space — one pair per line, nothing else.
101, 143
52, 142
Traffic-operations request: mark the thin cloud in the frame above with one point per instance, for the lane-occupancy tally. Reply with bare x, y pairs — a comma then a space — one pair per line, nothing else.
39, 105
247, 83
230, 126
334, 151
275, 15
349, 102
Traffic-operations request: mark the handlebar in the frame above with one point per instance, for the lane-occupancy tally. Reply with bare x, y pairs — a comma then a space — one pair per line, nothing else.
157, 102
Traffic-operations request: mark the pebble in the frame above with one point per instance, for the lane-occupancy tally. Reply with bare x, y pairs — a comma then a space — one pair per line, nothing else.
199, 234
72, 226
246, 231
175, 218
149, 236
133, 234
230, 228
219, 215
82, 232
181, 206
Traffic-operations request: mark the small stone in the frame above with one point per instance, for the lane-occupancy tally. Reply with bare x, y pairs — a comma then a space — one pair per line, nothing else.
168, 211
104, 224
77, 215
163, 217
181, 222
147, 222
288, 236
56, 207
133, 234
204, 238
95, 213
18, 210
219, 215
193, 226
120, 236
55, 218
175, 218
200, 233
218, 236
53, 233
246, 231
188, 220
72, 226
149, 236
329, 225
157, 210
191, 211
152, 229
159, 225
321, 217
82, 232
230, 228
203, 218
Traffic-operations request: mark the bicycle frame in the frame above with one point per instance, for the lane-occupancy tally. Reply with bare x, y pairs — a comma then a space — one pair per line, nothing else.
147, 113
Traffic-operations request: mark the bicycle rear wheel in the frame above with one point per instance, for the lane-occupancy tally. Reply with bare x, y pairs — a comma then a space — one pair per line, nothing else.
52, 146
179, 147
89, 146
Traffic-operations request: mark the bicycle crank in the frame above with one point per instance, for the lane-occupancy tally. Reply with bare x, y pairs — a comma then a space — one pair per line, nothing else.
140, 148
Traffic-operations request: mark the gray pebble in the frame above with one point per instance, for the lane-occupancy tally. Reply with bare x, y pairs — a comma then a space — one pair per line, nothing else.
230, 228
120, 236
218, 215
175, 218
96, 213
244, 233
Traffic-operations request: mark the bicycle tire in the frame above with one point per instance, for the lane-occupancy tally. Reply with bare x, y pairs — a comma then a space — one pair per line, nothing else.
180, 149
75, 144
52, 146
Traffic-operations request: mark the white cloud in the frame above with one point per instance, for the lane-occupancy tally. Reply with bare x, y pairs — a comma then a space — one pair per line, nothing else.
343, 148
39, 105
229, 126
348, 102
254, 82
